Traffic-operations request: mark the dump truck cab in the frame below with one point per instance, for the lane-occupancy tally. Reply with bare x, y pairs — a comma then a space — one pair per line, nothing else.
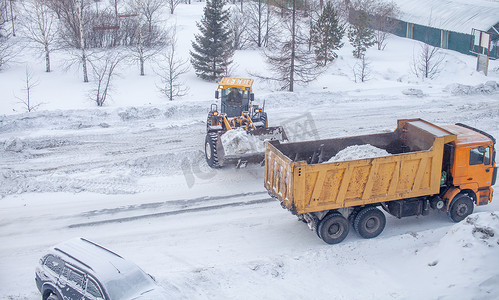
472, 166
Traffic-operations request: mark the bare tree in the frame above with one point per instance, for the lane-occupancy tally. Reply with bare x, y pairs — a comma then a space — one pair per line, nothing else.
151, 40
382, 16
171, 71
148, 11
29, 84
362, 69
74, 25
238, 23
104, 71
10, 10
428, 62
39, 23
115, 4
7, 47
290, 58
263, 24
172, 5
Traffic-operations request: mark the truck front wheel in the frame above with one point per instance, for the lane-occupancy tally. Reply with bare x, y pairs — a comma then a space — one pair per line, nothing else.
461, 207
369, 222
333, 228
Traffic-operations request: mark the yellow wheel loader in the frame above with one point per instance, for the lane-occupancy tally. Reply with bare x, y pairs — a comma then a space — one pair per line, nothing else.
236, 130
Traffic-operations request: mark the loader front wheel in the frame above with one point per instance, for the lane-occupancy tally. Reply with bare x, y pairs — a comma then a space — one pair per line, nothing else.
264, 120
210, 150
333, 229
369, 222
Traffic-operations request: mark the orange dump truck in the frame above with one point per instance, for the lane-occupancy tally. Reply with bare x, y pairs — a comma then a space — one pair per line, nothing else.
451, 168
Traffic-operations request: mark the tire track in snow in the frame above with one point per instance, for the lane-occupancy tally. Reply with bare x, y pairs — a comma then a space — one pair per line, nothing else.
171, 213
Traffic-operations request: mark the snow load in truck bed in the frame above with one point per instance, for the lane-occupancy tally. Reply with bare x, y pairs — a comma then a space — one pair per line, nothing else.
358, 152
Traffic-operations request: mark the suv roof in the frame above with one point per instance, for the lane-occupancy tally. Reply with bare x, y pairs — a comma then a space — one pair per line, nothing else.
94, 258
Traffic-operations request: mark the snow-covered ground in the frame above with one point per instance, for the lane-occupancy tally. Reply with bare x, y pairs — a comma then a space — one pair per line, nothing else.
132, 177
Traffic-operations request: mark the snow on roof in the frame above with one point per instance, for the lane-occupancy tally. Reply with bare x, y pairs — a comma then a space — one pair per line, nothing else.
453, 15
102, 261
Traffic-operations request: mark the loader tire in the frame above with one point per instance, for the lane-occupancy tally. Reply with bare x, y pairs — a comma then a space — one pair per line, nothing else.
461, 207
369, 222
333, 229
208, 123
263, 119
210, 150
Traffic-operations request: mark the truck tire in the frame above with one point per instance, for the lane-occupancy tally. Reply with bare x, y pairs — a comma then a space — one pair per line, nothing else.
460, 208
333, 228
210, 149
369, 222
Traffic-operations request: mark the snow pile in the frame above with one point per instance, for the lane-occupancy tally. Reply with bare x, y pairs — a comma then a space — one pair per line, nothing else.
14, 144
462, 89
413, 92
358, 152
473, 245
238, 141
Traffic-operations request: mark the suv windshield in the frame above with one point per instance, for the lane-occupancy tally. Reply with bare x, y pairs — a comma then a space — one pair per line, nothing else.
129, 284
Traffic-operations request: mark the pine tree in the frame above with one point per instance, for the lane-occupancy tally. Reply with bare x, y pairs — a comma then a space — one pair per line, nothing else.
361, 36
327, 33
212, 50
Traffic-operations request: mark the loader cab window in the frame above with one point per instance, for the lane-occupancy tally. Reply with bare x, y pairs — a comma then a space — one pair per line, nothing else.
235, 101
480, 155
235, 96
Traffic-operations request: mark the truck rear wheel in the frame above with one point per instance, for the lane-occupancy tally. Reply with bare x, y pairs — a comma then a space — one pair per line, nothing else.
210, 150
369, 222
461, 207
333, 228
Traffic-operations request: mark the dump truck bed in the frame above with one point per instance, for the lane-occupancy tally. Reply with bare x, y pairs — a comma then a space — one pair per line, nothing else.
299, 175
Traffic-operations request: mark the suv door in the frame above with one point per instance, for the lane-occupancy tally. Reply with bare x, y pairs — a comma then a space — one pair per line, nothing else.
93, 290
71, 283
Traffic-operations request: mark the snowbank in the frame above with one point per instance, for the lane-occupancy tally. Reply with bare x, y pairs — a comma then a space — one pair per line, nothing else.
462, 89
358, 152
238, 141
470, 245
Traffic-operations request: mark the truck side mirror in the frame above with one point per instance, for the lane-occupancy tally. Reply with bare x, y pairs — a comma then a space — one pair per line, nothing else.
252, 97
216, 94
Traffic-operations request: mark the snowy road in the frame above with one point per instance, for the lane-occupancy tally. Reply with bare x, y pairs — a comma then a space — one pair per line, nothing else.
135, 181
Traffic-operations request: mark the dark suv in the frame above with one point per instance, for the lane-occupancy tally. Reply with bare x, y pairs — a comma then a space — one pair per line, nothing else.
81, 269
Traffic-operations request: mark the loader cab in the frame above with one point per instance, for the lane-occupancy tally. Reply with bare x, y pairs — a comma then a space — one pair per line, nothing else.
234, 101
235, 94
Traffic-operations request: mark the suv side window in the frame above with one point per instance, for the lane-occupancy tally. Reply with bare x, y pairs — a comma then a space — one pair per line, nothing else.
77, 278
54, 263
93, 289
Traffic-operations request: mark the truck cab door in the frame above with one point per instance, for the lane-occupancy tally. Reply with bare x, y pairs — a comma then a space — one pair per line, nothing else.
481, 171
481, 166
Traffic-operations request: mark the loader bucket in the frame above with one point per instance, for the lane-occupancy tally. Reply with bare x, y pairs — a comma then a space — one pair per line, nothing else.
238, 147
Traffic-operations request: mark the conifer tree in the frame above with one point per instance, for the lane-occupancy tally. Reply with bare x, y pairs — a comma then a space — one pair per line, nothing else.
212, 49
327, 33
361, 36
